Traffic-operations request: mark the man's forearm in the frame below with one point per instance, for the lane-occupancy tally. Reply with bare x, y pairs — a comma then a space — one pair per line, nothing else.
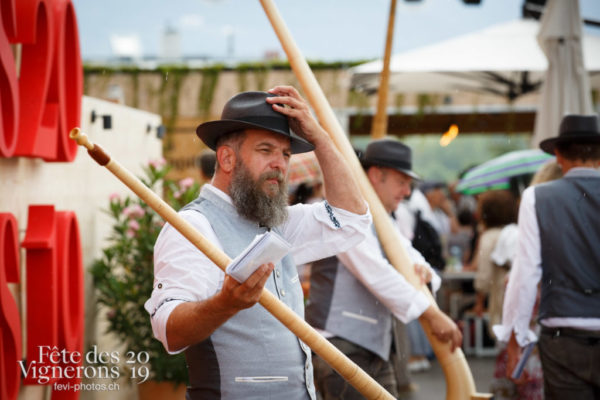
193, 322
341, 189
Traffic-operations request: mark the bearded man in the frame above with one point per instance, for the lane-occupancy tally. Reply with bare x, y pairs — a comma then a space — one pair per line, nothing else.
234, 348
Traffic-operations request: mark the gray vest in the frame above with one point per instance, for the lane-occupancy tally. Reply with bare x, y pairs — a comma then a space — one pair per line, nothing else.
252, 355
568, 214
340, 304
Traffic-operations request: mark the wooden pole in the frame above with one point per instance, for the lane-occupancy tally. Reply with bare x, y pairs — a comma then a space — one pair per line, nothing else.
361, 381
459, 380
380, 121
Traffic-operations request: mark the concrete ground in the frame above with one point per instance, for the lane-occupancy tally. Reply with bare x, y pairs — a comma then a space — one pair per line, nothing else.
432, 384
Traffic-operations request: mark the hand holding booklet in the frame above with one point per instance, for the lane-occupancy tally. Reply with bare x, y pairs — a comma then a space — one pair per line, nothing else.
268, 247
523, 361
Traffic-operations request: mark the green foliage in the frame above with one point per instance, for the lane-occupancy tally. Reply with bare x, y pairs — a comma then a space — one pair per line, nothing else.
427, 103
399, 101
169, 91
210, 77
123, 276
89, 69
360, 100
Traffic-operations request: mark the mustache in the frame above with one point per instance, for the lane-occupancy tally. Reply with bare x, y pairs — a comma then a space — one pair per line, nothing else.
272, 175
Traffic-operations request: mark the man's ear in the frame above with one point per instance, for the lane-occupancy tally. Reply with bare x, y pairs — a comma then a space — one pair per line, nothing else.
560, 159
226, 158
374, 174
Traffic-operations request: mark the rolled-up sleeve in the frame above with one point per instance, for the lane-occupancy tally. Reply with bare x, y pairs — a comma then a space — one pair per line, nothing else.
319, 230
366, 262
182, 273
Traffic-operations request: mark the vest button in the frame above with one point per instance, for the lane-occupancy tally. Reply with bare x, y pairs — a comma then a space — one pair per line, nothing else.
277, 273
282, 292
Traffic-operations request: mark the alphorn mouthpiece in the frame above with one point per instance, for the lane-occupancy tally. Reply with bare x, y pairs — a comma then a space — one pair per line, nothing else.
81, 138
95, 151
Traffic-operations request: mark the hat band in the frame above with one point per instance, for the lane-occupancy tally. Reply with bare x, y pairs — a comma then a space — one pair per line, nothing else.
577, 135
270, 123
404, 165
397, 164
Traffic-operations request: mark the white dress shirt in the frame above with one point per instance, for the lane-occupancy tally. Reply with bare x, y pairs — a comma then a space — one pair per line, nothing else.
366, 262
406, 210
182, 273
524, 277
506, 247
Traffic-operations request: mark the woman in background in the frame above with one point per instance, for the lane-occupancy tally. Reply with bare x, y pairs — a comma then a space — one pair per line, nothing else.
504, 253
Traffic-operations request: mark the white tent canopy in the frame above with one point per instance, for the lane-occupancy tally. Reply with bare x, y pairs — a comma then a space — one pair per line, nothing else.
486, 60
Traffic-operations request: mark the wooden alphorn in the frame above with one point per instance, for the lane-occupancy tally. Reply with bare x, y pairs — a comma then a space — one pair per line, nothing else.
459, 380
361, 381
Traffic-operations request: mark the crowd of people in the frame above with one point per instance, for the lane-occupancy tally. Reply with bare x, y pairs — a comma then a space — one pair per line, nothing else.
353, 296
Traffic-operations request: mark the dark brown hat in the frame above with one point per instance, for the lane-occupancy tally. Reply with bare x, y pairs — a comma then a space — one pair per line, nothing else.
389, 153
249, 110
574, 129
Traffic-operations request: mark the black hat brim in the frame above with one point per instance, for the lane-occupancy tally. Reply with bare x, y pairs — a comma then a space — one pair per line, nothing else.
210, 132
548, 145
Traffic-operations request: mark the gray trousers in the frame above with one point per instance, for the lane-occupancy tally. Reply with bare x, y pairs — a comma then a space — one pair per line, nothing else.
331, 386
571, 364
399, 358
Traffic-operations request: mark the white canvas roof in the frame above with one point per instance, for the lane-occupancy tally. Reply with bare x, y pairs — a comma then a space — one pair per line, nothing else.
473, 61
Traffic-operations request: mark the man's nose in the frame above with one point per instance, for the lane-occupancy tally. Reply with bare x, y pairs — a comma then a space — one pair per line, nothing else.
279, 162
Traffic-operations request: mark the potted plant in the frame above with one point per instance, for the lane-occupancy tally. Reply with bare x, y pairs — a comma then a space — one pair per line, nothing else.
123, 277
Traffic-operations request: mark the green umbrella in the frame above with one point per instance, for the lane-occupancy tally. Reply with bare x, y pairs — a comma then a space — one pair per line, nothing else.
497, 173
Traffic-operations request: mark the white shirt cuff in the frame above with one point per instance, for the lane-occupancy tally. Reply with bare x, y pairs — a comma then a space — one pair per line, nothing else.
159, 317
417, 307
503, 333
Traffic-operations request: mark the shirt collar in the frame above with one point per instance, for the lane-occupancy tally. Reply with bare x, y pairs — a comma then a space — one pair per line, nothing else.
207, 187
582, 172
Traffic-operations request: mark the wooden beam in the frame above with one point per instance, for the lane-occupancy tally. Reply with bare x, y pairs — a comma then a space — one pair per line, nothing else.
399, 125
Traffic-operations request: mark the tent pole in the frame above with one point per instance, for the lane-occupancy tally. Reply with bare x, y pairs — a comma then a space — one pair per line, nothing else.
380, 120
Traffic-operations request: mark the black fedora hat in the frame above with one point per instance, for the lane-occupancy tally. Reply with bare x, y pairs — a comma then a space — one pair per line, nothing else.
574, 129
249, 110
391, 154
431, 185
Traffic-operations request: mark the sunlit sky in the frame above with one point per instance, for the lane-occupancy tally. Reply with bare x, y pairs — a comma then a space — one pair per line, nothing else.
323, 29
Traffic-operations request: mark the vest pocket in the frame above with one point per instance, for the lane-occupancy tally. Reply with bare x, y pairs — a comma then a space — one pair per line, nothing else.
359, 317
260, 379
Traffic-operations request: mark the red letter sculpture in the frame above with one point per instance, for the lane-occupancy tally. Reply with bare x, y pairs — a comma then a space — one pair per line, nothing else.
10, 322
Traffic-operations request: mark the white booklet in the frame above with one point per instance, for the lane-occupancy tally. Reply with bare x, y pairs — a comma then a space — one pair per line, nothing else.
267, 247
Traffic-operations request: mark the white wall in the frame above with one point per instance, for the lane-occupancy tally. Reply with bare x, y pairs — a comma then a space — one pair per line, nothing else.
81, 186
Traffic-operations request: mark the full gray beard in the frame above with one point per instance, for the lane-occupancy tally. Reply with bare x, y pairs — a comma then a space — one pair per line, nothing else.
251, 201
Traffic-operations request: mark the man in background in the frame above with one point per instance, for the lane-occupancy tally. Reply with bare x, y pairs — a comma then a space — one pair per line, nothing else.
206, 162
353, 296
559, 236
